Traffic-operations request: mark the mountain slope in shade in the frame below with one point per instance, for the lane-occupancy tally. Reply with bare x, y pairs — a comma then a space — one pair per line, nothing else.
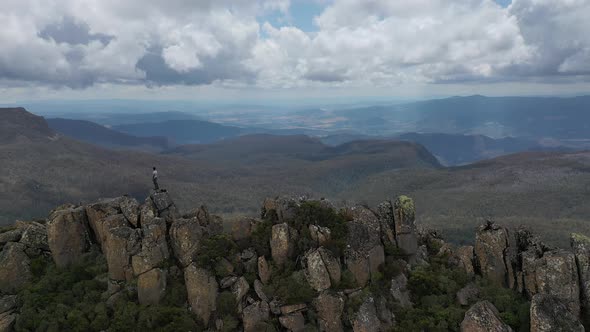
99, 135
182, 131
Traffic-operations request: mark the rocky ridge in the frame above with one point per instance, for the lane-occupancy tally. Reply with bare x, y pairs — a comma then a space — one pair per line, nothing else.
333, 258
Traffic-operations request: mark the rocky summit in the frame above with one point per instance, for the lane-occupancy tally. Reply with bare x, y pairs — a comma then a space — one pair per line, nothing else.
304, 265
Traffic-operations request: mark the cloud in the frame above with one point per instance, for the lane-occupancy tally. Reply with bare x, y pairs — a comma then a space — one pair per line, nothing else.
80, 43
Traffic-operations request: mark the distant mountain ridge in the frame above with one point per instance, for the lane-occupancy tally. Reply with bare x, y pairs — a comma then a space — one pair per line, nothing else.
99, 135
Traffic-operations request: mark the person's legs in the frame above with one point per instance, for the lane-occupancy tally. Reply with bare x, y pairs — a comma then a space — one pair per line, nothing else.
156, 187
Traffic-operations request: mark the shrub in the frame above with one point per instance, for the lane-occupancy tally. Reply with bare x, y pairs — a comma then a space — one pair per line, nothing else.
213, 249
261, 238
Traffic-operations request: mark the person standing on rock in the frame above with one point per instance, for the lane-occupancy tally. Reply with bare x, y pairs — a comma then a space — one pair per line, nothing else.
155, 179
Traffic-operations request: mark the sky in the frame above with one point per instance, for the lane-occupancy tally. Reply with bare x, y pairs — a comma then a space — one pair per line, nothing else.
291, 49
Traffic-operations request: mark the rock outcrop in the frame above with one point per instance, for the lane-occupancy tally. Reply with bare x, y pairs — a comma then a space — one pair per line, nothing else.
254, 314
323, 269
491, 250
201, 289
366, 319
581, 247
405, 228
282, 243
550, 314
15, 268
329, 308
67, 235
483, 317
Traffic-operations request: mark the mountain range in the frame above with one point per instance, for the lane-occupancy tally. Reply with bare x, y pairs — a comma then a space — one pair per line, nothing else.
42, 169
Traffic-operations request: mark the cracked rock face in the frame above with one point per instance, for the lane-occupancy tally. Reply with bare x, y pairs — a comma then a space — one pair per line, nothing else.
556, 274
581, 246
549, 314
329, 308
15, 268
67, 235
491, 251
323, 269
253, 314
366, 319
282, 243
201, 289
483, 317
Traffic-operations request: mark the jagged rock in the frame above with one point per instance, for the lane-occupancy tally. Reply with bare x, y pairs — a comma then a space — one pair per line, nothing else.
420, 258
151, 287
366, 319
224, 267
260, 291
11, 236
364, 230
241, 229
275, 306
549, 314
467, 294
386, 216
264, 272
130, 210
280, 209
491, 247
67, 235
240, 288
185, 238
35, 239
14, 267
254, 314
8, 303
329, 308
164, 204
98, 217
289, 309
399, 290
154, 247
294, 322
248, 254
462, 258
320, 235
7, 321
483, 317
581, 247
282, 243
201, 289
121, 243
555, 273
322, 270
358, 265
405, 228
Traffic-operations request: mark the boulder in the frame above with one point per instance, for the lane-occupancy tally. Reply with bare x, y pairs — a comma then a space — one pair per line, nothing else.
366, 319
405, 228
151, 287
329, 309
364, 230
555, 273
154, 247
462, 258
293, 322
254, 314
322, 269
163, 204
15, 268
263, 270
282, 243
280, 209
130, 210
483, 317
227, 282
399, 291
35, 239
98, 217
259, 289
320, 235
240, 288
491, 247
121, 243
468, 294
581, 246
202, 290
550, 314
67, 235
376, 259
185, 237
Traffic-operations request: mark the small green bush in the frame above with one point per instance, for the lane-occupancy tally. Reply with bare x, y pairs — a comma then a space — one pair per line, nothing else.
261, 238
213, 249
